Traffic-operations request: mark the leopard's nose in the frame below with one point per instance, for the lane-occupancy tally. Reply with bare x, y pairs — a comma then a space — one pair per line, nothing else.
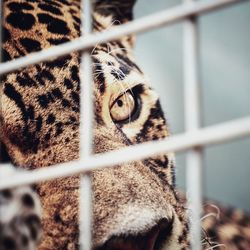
152, 239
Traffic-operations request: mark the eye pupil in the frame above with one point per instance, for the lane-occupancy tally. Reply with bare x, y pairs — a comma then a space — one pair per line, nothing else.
120, 103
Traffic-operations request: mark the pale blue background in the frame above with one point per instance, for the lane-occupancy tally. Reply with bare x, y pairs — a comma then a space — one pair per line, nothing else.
225, 79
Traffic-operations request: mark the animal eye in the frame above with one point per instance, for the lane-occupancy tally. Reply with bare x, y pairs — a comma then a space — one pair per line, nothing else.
123, 108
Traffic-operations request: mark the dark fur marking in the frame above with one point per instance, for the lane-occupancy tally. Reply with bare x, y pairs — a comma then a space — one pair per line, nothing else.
50, 97
39, 122
155, 113
59, 63
72, 119
25, 80
43, 75
30, 45
125, 70
6, 56
20, 52
14, 95
117, 74
237, 239
33, 223
52, 3
65, 103
65, 2
212, 233
54, 25
77, 20
51, 119
27, 140
58, 41
77, 28
75, 73
32, 1
57, 218
59, 129
57, 93
43, 101
68, 84
119, 10
19, 6
75, 97
181, 239
50, 8
30, 113
6, 35
128, 62
6, 193
28, 201
76, 109
160, 163
46, 74
172, 167
24, 240
8, 243
47, 137
21, 20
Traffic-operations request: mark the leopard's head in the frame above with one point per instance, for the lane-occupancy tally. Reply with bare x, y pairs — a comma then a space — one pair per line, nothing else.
135, 205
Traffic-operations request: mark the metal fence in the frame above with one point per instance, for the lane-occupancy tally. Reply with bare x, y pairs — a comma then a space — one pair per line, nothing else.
193, 140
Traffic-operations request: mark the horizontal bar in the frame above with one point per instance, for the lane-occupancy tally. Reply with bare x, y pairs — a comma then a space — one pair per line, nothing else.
206, 136
162, 18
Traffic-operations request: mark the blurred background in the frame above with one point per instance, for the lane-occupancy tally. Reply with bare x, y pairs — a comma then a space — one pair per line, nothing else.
225, 80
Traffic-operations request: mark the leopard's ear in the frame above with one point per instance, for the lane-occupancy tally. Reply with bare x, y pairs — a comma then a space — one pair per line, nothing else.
120, 10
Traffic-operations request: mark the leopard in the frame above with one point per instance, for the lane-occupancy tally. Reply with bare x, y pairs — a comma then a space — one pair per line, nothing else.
135, 205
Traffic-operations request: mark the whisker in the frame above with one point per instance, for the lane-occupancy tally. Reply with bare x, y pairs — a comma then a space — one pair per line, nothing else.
208, 215
213, 247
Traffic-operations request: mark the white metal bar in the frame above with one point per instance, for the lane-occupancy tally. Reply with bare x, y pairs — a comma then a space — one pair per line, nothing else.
205, 136
1, 40
162, 18
192, 122
86, 119
85, 212
1, 25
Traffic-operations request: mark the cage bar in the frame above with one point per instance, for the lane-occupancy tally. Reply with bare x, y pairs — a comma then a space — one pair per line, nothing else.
1, 31
1, 40
238, 128
192, 122
159, 19
86, 111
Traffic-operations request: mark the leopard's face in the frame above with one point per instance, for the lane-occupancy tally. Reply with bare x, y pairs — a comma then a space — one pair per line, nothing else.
135, 205
139, 203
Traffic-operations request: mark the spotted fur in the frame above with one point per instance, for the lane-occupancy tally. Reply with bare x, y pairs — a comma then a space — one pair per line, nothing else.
20, 216
135, 205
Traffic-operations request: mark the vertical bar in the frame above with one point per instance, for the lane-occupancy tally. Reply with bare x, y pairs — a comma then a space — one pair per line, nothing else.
1, 25
192, 122
86, 115
1, 40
